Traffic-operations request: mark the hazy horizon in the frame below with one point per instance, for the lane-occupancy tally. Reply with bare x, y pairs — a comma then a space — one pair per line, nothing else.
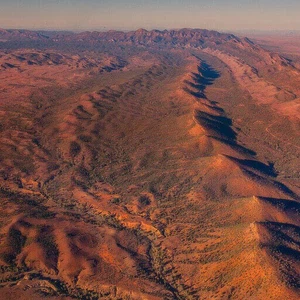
242, 31
76, 15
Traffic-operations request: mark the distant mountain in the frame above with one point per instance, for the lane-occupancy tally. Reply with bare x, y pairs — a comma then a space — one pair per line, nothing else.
182, 37
21, 34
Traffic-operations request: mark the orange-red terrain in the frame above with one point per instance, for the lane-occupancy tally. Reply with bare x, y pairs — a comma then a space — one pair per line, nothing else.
148, 165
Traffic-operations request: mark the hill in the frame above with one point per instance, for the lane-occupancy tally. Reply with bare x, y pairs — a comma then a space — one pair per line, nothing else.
148, 165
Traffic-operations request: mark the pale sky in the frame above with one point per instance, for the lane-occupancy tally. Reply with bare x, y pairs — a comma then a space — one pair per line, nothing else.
163, 14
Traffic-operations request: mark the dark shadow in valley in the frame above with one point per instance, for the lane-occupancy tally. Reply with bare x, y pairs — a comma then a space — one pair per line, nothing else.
236, 146
256, 166
206, 76
217, 126
283, 204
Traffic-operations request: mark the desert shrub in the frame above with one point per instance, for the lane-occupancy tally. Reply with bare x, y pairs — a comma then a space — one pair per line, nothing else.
85, 138
144, 200
75, 148
47, 240
116, 200
84, 172
17, 240
52, 166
